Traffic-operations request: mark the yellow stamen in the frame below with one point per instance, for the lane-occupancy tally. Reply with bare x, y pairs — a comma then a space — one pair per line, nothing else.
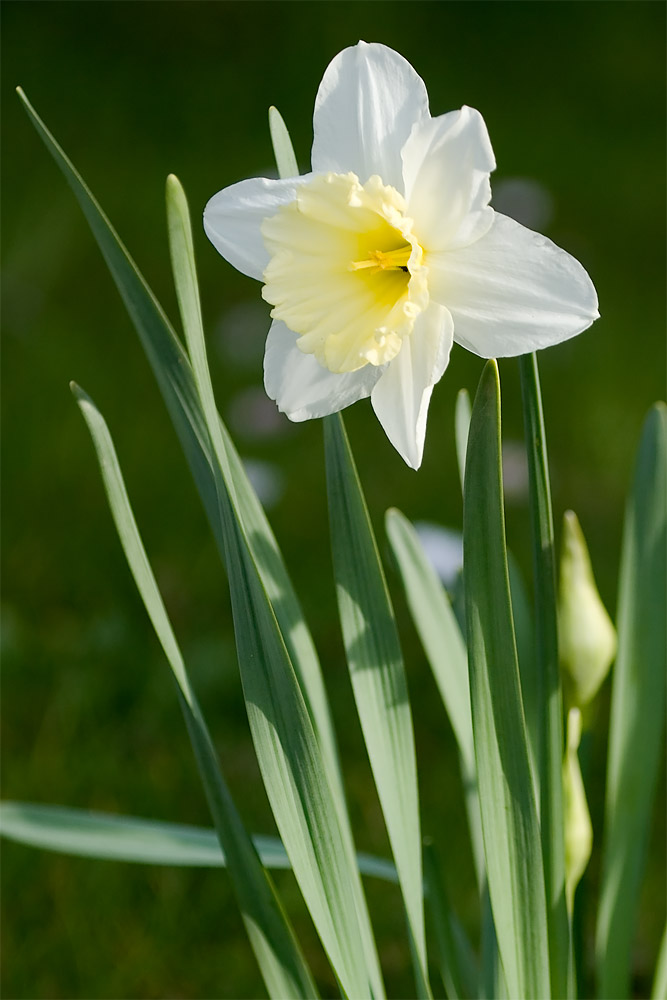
385, 260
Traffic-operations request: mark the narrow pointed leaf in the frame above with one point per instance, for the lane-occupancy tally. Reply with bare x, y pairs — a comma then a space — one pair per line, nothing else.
637, 706
296, 774
378, 676
462, 425
123, 838
283, 966
282, 145
109, 837
509, 815
173, 374
446, 653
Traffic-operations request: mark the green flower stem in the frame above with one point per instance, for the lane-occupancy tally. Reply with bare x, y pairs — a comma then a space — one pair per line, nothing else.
512, 841
549, 696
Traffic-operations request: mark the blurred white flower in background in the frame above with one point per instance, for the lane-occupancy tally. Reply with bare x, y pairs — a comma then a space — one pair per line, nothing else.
267, 481
444, 548
525, 200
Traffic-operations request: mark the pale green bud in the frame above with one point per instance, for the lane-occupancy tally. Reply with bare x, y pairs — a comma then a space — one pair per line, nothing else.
578, 828
586, 635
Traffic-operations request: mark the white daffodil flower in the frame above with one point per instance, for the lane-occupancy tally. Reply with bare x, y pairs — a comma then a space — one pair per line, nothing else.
388, 251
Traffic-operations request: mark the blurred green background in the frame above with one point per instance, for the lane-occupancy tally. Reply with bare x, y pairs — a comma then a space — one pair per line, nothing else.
573, 95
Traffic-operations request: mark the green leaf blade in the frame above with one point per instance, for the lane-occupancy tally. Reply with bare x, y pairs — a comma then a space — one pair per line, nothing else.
446, 653
119, 838
377, 673
509, 814
173, 373
637, 706
549, 715
109, 837
294, 777
281, 962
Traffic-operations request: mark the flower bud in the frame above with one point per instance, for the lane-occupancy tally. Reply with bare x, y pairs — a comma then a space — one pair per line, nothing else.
586, 635
578, 828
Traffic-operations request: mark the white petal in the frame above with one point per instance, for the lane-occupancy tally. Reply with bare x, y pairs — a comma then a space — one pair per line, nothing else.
302, 387
513, 291
368, 101
233, 219
446, 167
401, 397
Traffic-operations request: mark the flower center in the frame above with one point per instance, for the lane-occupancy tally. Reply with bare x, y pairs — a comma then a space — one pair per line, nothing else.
385, 260
346, 271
